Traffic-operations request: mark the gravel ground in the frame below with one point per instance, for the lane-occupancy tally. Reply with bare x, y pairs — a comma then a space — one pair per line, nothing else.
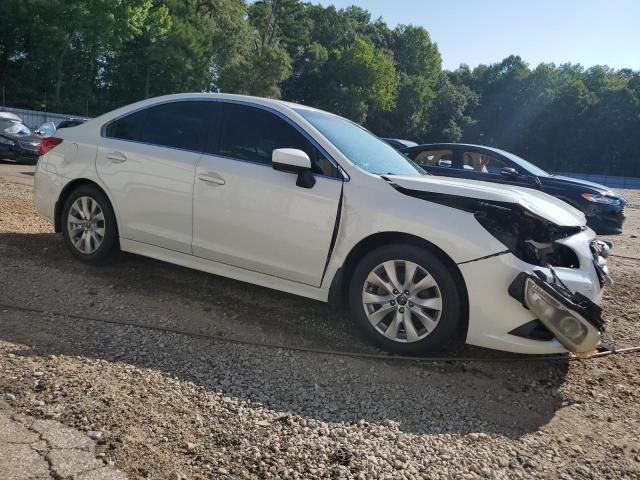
170, 406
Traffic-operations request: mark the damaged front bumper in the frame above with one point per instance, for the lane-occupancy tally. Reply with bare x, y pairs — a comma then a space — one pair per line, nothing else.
498, 321
574, 319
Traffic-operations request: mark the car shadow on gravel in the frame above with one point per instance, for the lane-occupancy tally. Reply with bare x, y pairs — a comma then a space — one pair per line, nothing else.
139, 289
510, 398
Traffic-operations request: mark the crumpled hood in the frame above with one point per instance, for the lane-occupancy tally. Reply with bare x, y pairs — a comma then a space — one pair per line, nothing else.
539, 203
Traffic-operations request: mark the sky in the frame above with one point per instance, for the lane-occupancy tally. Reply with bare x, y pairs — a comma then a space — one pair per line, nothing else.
589, 32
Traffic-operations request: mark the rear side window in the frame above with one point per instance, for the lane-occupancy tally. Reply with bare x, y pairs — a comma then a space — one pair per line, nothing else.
434, 158
177, 125
252, 134
127, 128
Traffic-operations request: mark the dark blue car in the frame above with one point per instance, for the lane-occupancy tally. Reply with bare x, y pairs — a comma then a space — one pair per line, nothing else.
603, 207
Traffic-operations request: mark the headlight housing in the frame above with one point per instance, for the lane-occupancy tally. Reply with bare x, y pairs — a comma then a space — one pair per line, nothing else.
574, 319
6, 141
601, 199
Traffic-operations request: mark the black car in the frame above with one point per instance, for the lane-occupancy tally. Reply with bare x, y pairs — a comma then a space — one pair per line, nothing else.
18, 142
398, 143
603, 207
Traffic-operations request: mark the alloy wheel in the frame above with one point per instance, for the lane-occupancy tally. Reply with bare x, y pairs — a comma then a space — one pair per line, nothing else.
86, 225
402, 301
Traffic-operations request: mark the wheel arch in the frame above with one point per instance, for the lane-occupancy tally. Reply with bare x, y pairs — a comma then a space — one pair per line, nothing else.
340, 283
67, 190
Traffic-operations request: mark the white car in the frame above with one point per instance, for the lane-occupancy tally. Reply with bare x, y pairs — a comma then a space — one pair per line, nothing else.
300, 200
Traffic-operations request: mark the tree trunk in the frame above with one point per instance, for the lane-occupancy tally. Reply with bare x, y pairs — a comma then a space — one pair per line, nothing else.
59, 74
267, 35
147, 81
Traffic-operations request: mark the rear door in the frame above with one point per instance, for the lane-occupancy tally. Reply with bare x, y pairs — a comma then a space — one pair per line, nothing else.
247, 214
147, 159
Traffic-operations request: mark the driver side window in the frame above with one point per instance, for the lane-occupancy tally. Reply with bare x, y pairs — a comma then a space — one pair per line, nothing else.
252, 134
481, 163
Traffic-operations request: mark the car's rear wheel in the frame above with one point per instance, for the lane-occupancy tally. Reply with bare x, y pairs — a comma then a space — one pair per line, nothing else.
406, 299
89, 225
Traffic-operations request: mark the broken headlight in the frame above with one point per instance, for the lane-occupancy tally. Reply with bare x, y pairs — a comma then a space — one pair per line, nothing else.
526, 235
574, 319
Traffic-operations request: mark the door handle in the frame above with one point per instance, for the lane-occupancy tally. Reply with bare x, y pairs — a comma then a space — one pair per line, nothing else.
211, 177
116, 157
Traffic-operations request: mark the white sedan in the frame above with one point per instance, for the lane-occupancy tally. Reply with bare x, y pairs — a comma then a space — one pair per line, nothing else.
300, 200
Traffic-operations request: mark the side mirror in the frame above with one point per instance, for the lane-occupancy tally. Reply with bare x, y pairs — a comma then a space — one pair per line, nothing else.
509, 172
294, 161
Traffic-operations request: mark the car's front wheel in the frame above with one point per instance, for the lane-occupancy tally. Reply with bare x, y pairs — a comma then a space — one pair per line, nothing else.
406, 299
89, 225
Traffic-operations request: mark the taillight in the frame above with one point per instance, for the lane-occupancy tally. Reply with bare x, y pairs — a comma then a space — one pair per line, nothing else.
47, 144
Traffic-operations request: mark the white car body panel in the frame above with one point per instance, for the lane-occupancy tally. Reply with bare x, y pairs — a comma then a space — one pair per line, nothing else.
222, 269
260, 220
488, 279
464, 238
253, 224
152, 188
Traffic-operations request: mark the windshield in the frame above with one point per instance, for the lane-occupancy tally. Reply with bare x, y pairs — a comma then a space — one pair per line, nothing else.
12, 127
47, 129
530, 167
360, 146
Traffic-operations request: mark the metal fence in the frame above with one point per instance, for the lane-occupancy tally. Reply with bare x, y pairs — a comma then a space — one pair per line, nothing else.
35, 118
607, 180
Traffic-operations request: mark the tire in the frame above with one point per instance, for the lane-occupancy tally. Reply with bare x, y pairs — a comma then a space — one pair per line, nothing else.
100, 226
434, 306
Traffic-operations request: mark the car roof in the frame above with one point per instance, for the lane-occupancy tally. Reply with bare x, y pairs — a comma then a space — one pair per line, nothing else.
237, 97
267, 102
458, 145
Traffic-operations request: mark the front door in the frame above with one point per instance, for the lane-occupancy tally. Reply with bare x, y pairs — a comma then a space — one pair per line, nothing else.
248, 215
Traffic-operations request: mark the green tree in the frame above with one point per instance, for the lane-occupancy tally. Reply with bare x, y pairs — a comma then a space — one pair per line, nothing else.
182, 45
98, 54
447, 117
418, 63
351, 81
262, 61
142, 58
257, 70
283, 22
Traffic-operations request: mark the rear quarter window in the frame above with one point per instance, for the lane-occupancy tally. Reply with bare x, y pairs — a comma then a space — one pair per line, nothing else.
177, 125
127, 128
